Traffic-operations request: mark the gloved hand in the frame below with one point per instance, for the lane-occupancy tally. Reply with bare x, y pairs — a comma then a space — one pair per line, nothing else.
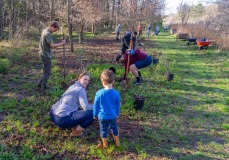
131, 52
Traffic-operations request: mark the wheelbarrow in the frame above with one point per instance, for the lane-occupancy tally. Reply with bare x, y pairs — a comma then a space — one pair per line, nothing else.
202, 44
191, 40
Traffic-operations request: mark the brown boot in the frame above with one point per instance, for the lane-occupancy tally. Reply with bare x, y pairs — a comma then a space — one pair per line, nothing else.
99, 145
76, 132
116, 138
104, 143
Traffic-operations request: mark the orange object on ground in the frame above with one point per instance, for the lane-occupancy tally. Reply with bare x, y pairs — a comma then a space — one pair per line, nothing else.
202, 44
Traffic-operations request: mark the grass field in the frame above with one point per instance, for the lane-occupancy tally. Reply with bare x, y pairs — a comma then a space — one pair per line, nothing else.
186, 118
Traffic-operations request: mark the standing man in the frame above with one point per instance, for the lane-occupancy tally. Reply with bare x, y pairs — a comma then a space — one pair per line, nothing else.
157, 30
148, 30
45, 45
118, 30
126, 41
166, 28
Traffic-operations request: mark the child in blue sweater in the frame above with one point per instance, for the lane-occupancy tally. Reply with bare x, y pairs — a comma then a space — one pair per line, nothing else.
107, 108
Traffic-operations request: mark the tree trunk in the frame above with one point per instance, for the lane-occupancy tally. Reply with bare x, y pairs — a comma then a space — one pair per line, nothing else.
112, 14
107, 9
34, 8
1, 19
39, 16
81, 31
93, 27
117, 14
26, 16
70, 27
70, 37
12, 24
52, 11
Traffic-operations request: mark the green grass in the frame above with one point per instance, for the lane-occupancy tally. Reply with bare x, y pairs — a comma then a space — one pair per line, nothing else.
4, 65
186, 118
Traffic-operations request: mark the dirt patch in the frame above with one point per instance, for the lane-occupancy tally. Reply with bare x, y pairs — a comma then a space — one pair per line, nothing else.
3, 115
21, 81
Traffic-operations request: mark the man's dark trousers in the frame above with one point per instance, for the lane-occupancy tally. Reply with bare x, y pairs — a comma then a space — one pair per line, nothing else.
47, 62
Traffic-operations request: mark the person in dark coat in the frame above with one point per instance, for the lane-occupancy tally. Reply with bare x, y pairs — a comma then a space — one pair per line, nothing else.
126, 41
138, 60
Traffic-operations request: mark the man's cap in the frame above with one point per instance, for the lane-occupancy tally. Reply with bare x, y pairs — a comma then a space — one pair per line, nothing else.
136, 33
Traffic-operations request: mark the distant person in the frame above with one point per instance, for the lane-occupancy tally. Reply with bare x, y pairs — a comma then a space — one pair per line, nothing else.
139, 30
107, 108
45, 45
148, 30
138, 60
73, 110
157, 30
126, 41
118, 30
204, 39
131, 29
166, 28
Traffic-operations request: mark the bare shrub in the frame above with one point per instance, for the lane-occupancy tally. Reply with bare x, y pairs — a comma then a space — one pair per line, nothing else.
24, 37
218, 37
214, 28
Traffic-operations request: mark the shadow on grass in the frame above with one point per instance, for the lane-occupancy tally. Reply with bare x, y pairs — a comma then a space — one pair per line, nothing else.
165, 128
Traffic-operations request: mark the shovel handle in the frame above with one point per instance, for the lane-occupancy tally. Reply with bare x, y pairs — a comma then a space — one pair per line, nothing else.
128, 61
63, 37
64, 59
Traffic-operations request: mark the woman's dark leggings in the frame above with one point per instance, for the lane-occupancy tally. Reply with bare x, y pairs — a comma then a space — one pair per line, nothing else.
80, 117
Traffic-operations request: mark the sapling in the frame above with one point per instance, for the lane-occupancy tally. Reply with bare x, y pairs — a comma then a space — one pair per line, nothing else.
169, 75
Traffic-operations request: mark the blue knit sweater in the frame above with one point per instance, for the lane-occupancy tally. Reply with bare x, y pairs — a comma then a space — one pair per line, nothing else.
106, 104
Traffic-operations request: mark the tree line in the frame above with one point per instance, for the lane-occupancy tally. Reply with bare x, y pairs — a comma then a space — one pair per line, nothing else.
75, 15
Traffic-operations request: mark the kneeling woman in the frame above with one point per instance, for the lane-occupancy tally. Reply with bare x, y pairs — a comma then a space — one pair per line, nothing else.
72, 110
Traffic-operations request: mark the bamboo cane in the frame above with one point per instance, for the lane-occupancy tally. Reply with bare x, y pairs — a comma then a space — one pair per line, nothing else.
64, 59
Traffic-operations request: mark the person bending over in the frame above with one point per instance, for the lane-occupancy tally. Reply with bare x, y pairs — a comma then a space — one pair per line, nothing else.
137, 60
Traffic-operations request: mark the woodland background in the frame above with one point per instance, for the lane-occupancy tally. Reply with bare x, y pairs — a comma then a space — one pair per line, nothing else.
23, 19
186, 118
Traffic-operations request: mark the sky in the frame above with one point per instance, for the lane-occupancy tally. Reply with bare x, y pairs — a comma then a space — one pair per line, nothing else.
172, 5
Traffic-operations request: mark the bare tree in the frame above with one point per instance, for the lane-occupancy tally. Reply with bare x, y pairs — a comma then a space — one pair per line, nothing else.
70, 26
52, 10
84, 13
184, 11
1, 18
39, 15
223, 9
134, 11
117, 13
152, 10
12, 17
112, 13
